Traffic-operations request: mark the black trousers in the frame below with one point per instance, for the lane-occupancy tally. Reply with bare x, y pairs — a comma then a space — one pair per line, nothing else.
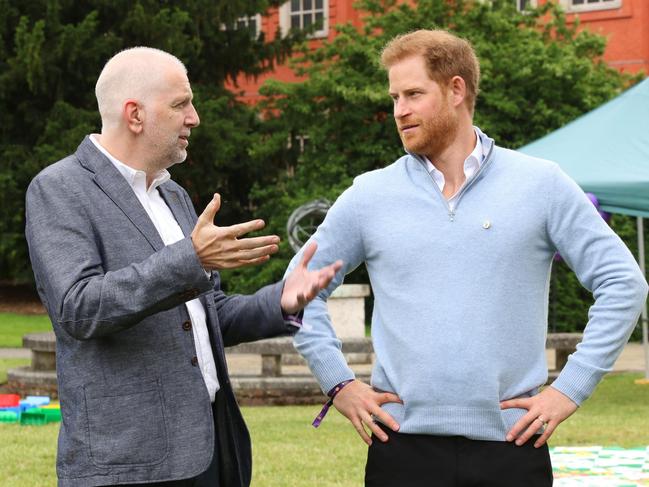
408, 460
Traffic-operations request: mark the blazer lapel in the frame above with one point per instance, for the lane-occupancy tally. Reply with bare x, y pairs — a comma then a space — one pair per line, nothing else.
176, 204
111, 181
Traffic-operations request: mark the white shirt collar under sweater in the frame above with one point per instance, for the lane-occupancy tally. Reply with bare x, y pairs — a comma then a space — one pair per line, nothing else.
471, 166
170, 232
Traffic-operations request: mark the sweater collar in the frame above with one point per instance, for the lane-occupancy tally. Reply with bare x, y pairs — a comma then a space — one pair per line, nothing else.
487, 145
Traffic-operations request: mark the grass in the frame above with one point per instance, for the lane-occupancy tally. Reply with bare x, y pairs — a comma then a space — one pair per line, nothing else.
10, 363
13, 326
288, 452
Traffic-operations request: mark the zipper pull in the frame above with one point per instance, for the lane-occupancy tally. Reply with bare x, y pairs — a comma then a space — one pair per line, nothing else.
451, 215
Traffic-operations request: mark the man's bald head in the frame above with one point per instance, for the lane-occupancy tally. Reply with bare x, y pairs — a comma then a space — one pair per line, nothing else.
134, 73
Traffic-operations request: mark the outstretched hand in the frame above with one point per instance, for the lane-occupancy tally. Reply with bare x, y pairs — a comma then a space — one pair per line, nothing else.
359, 403
547, 409
221, 247
302, 285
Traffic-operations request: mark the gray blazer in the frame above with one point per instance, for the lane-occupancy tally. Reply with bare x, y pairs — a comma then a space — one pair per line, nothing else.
133, 402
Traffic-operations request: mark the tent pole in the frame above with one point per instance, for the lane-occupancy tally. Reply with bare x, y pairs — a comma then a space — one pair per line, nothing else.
641, 261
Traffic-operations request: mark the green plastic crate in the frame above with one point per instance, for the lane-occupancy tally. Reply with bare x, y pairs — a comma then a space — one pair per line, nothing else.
39, 416
9, 417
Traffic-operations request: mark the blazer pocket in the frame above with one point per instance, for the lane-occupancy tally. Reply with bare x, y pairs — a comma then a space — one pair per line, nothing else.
126, 424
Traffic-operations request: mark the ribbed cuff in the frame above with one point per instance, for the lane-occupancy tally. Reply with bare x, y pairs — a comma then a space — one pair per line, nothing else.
578, 381
331, 370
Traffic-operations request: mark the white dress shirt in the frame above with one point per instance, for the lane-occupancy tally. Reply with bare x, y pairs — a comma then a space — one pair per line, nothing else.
471, 166
170, 232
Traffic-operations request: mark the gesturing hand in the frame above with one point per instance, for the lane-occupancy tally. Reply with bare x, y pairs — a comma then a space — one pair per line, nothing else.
302, 285
221, 248
548, 408
358, 402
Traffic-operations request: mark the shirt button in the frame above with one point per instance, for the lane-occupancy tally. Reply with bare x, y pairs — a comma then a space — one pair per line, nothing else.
194, 361
187, 326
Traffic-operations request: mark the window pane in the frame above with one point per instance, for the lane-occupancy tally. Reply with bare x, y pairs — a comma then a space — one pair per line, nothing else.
318, 4
577, 2
318, 19
307, 4
307, 20
295, 5
253, 27
295, 21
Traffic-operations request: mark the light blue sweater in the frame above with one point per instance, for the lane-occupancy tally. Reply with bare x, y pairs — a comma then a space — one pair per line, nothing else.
461, 298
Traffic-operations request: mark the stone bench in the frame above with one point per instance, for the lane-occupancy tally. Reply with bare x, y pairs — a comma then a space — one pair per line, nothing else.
38, 378
272, 350
274, 384
563, 345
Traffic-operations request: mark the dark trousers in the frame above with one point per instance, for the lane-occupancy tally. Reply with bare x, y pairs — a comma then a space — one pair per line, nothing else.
409, 460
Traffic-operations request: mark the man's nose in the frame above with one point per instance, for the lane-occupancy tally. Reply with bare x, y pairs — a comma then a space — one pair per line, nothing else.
192, 119
401, 108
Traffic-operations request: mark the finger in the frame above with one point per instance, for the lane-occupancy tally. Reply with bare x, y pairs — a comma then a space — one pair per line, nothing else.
532, 429
245, 227
243, 255
361, 431
210, 211
244, 263
522, 403
549, 429
386, 419
520, 425
325, 277
308, 254
388, 397
255, 242
373, 426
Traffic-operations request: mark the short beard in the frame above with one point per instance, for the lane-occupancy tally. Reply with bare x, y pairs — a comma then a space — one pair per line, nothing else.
438, 134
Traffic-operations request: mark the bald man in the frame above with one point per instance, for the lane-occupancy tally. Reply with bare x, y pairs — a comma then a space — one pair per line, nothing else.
129, 276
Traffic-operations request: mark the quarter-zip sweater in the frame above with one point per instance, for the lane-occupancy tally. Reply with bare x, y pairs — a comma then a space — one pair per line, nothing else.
461, 297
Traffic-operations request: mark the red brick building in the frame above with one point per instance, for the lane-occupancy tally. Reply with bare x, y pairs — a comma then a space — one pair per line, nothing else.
624, 22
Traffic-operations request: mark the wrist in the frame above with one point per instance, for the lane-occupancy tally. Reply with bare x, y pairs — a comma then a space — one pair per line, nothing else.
332, 395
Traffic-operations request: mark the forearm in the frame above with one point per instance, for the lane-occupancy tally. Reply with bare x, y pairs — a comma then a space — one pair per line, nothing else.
246, 318
605, 266
88, 303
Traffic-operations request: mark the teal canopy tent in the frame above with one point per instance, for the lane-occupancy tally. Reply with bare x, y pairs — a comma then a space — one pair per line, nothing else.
606, 151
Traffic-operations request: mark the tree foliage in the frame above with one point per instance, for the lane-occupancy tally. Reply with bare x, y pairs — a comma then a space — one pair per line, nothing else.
538, 73
51, 52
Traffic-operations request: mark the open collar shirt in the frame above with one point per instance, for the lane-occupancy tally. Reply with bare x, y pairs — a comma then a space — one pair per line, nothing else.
170, 232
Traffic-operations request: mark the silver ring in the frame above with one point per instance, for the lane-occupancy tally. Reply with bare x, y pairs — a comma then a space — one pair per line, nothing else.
540, 418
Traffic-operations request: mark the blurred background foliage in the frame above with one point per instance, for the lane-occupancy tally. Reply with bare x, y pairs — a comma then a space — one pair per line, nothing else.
305, 140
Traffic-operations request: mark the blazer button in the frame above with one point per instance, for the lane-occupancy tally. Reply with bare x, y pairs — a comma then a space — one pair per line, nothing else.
194, 361
187, 325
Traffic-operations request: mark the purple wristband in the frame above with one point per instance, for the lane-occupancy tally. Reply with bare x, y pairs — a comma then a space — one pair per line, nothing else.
325, 409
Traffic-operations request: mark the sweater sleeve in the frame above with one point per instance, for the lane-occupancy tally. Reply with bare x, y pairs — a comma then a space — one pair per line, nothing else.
338, 237
604, 266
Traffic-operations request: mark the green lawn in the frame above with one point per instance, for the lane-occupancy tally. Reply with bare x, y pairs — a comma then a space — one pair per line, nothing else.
288, 452
13, 326
10, 363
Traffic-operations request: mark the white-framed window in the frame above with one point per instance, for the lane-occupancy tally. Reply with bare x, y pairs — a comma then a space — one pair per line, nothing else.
250, 22
589, 5
298, 14
522, 5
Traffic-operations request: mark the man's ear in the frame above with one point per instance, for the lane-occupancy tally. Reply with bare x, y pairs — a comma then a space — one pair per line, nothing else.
458, 90
133, 116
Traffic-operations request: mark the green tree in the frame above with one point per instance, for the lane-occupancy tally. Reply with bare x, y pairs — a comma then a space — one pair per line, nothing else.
51, 52
538, 73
